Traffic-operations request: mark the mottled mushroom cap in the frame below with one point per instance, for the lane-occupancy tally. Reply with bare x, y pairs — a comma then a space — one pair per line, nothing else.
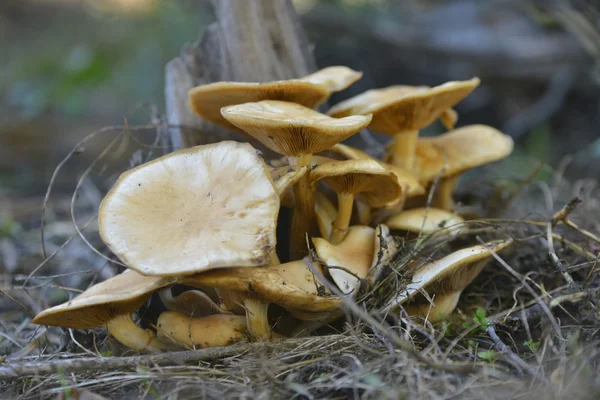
409, 181
121, 294
291, 285
285, 177
207, 207
377, 185
309, 91
451, 274
291, 129
402, 108
354, 254
459, 150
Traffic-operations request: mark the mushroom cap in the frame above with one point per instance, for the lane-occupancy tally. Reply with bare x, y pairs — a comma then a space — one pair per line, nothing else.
121, 294
425, 220
325, 213
460, 150
402, 108
451, 274
409, 181
292, 129
210, 331
285, 177
291, 285
309, 91
354, 253
377, 185
207, 207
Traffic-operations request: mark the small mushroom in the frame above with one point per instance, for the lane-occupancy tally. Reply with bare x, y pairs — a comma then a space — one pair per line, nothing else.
201, 332
377, 185
427, 221
455, 152
207, 207
309, 91
445, 279
348, 262
191, 302
111, 303
401, 111
291, 285
297, 132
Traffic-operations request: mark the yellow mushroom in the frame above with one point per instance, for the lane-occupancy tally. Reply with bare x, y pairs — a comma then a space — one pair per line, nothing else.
401, 111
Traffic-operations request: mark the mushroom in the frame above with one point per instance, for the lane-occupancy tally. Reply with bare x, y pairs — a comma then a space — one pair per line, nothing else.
208, 331
325, 214
111, 303
427, 221
297, 132
348, 262
291, 285
401, 111
445, 279
191, 302
284, 178
206, 207
377, 185
455, 152
309, 91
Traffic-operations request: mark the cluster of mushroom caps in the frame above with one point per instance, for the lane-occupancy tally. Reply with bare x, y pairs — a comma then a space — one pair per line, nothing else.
198, 225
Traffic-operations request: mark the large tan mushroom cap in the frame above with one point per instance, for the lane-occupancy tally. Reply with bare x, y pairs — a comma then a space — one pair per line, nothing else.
291, 285
119, 295
377, 185
450, 275
460, 150
426, 220
207, 207
354, 255
309, 91
404, 108
291, 129
409, 181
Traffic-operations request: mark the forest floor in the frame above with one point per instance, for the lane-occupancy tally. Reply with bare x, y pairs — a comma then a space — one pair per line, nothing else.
528, 326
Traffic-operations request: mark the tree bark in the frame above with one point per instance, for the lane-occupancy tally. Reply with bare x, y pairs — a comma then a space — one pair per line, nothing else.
253, 41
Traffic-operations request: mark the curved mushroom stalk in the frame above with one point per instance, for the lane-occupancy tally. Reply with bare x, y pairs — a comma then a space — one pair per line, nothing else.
210, 331
257, 318
126, 331
442, 197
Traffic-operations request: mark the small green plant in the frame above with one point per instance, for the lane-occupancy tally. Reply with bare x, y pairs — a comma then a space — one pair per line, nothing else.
487, 356
480, 321
532, 345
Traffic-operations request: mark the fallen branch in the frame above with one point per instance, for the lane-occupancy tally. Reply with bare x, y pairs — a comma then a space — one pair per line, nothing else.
15, 370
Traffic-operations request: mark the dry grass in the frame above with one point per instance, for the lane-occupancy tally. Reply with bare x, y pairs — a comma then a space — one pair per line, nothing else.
539, 336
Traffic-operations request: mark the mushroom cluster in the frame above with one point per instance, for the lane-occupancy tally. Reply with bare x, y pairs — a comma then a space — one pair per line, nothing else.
198, 227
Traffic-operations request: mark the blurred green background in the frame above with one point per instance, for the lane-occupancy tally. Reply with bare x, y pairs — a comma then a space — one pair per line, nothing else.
68, 67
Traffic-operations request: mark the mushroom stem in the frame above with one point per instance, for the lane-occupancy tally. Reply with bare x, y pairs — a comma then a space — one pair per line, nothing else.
443, 196
129, 334
303, 210
403, 149
342, 221
365, 212
256, 318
